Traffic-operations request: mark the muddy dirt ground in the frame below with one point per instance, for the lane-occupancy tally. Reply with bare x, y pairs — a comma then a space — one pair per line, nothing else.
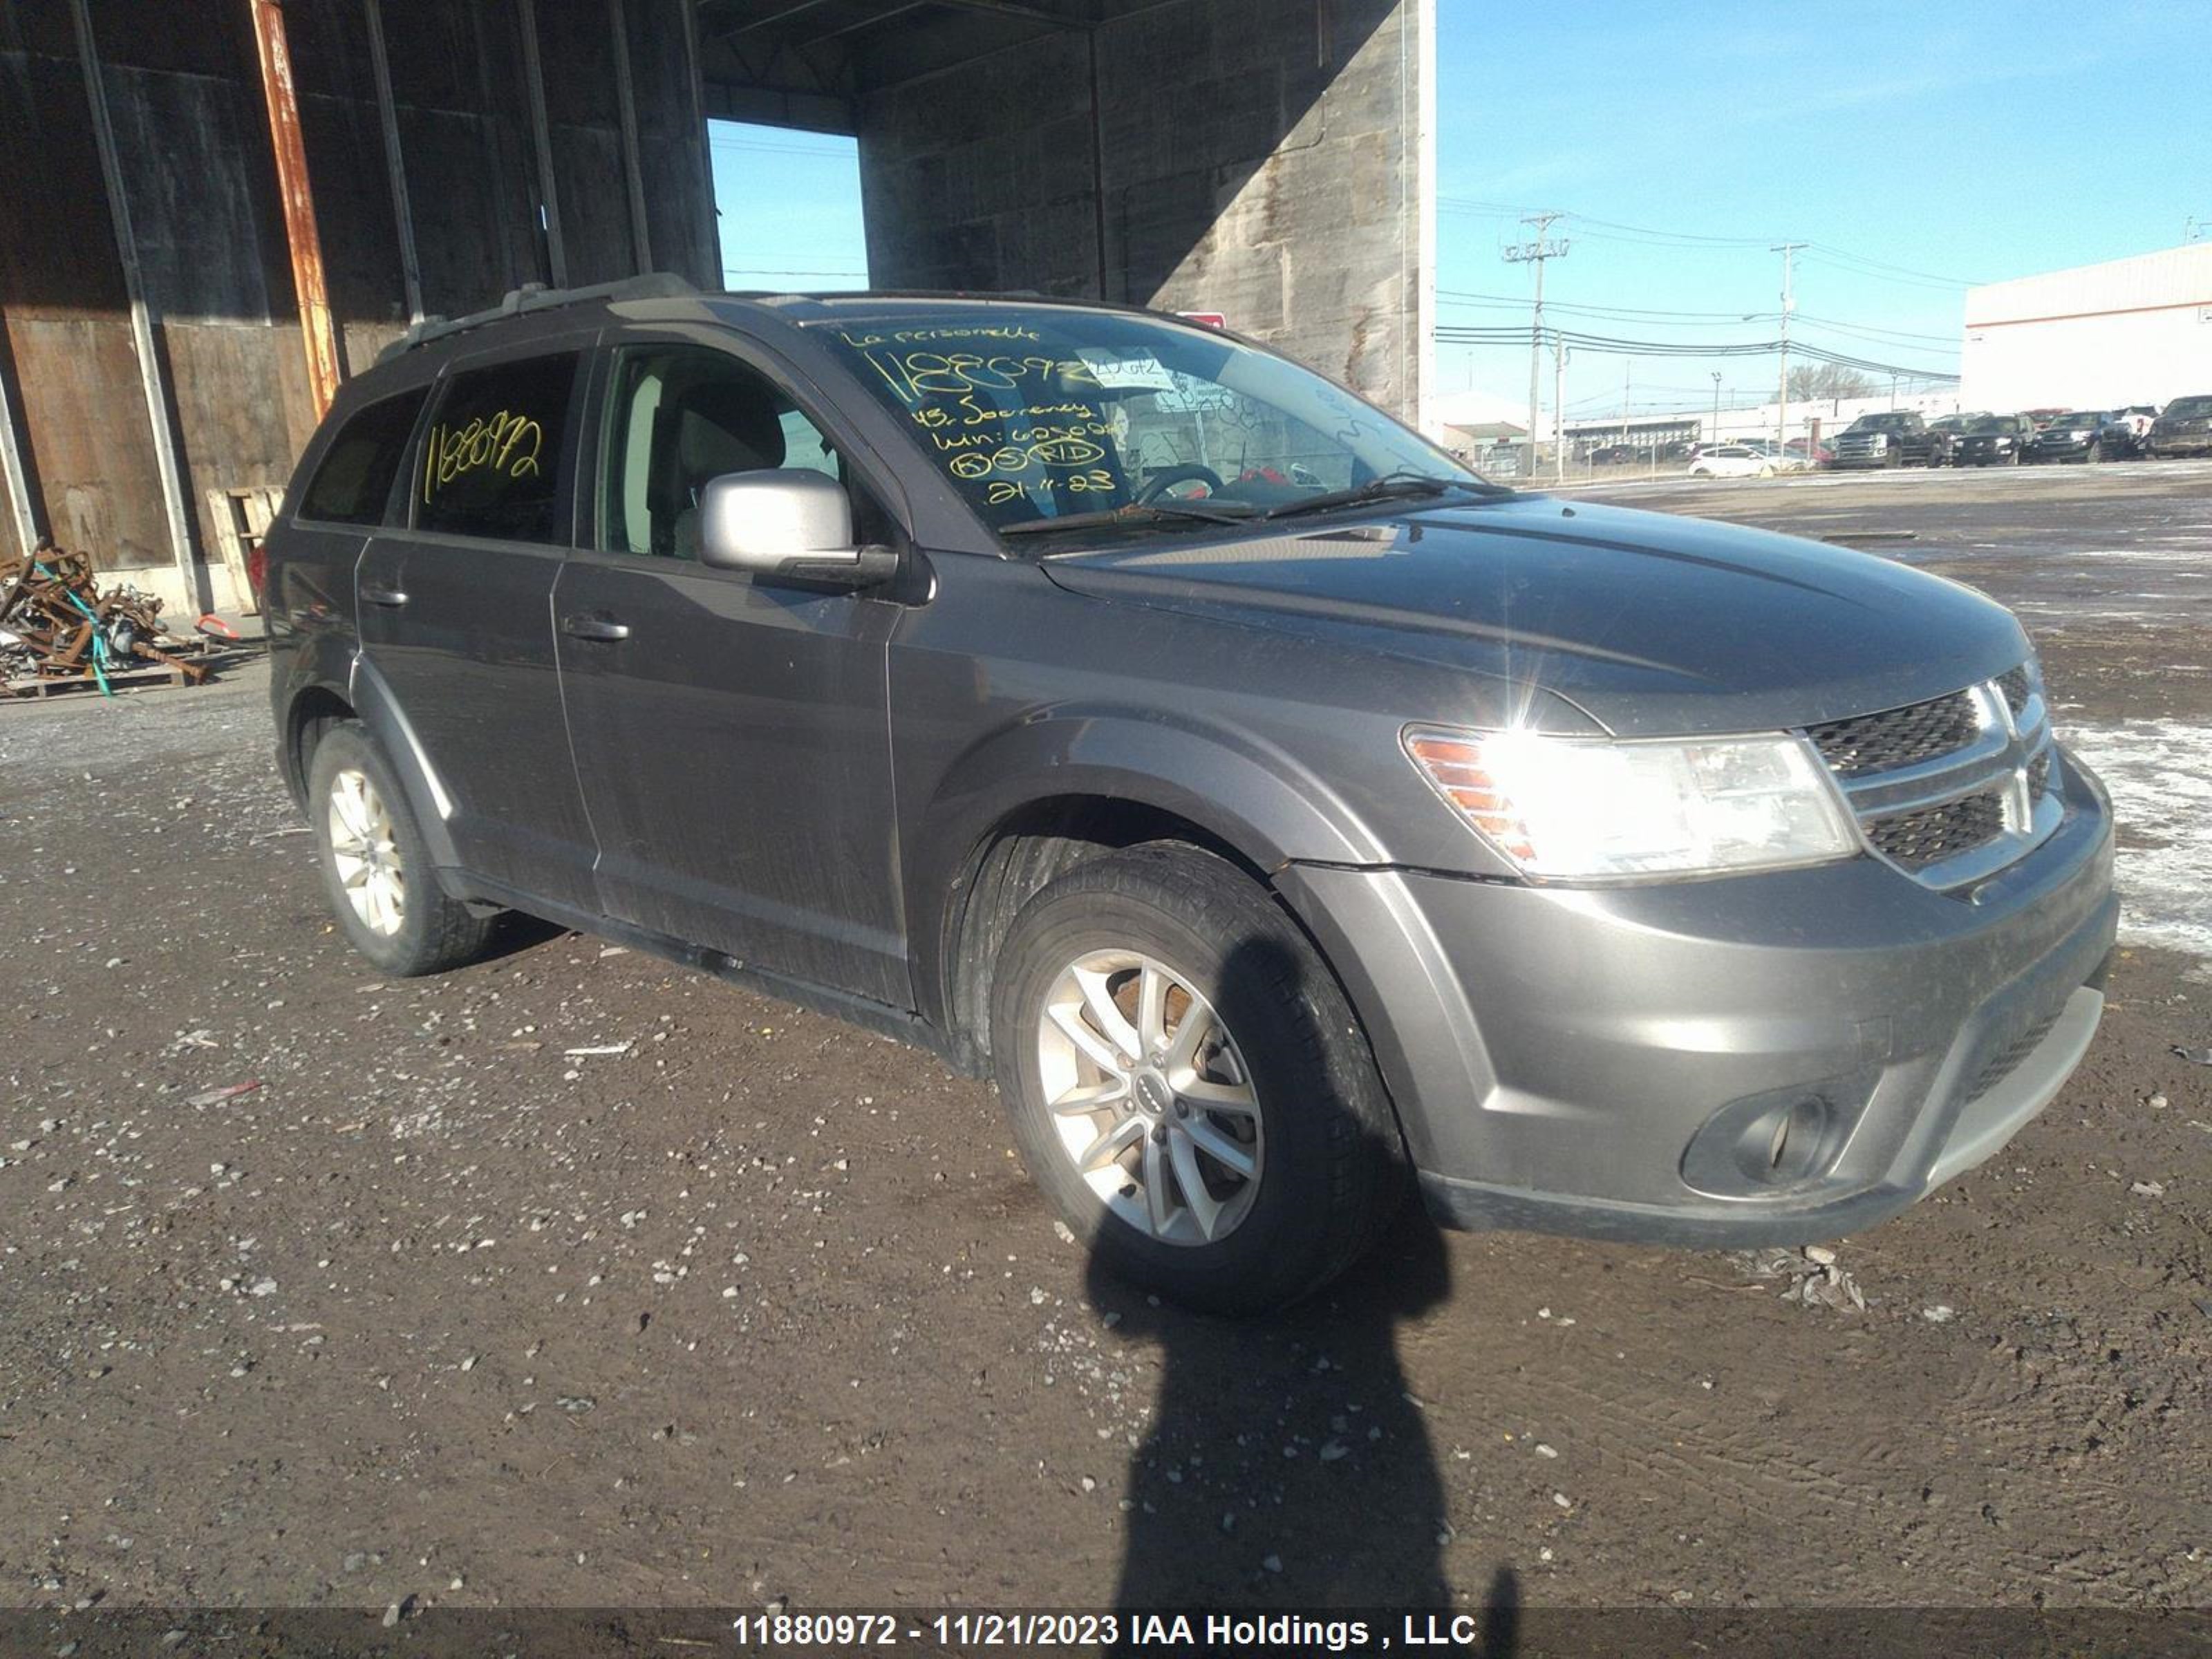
760, 1309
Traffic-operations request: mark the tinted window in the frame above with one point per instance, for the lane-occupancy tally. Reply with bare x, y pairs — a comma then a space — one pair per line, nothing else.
679, 418
354, 482
492, 464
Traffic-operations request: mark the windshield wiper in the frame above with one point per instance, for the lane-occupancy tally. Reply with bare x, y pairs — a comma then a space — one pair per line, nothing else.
1134, 513
1384, 489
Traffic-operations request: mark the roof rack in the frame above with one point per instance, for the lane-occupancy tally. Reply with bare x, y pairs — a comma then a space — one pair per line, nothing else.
536, 296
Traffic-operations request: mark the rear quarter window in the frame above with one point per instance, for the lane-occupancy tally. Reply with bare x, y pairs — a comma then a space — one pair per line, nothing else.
494, 460
353, 482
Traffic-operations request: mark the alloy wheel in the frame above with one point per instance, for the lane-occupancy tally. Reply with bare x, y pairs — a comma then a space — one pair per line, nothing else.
366, 853
1152, 1101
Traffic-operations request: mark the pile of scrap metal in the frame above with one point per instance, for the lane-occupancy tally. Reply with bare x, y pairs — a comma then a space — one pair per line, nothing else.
57, 627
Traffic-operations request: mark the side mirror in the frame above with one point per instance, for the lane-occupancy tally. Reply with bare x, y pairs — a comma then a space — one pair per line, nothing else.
792, 525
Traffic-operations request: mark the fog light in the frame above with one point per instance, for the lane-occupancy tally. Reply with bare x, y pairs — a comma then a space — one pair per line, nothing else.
1762, 1144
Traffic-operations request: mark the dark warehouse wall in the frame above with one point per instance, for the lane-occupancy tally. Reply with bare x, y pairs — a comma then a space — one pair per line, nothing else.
1255, 159
185, 97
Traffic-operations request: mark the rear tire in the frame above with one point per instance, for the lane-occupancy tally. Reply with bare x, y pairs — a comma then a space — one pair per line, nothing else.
1241, 1151
376, 867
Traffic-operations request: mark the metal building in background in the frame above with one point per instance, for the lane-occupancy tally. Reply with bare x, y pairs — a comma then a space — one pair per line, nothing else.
216, 207
2136, 330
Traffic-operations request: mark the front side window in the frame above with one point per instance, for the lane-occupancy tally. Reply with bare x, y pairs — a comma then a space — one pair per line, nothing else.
493, 462
353, 484
679, 418
1035, 413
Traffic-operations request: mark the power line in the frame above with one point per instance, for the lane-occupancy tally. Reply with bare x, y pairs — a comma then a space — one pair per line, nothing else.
729, 272
1651, 236
1463, 334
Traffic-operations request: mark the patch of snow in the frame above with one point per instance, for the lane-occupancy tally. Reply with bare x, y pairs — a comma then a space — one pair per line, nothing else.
2159, 773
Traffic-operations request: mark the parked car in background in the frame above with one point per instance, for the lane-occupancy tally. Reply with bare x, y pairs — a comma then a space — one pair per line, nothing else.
2037, 418
1611, 454
1681, 449
1819, 454
1779, 454
2183, 427
2138, 418
1265, 900
2082, 434
1897, 437
1944, 435
1734, 461
1993, 440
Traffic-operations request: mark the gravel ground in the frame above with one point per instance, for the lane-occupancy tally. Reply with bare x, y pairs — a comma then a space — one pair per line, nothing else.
760, 1309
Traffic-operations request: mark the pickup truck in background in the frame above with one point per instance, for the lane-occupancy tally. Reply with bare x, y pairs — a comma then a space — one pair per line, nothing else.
1895, 438
1993, 440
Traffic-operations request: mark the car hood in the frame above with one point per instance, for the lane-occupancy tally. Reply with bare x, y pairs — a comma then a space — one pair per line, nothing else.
1652, 624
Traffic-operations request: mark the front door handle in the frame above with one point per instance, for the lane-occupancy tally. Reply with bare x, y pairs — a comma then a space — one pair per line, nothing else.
390, 598
595, 627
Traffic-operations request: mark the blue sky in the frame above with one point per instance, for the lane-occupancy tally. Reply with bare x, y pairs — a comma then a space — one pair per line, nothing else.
1918, 146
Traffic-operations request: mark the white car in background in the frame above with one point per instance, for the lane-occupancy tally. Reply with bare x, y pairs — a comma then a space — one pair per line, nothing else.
1733, 461
1784, 460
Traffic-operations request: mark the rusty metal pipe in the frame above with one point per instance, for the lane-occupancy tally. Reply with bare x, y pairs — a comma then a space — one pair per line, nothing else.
278, 92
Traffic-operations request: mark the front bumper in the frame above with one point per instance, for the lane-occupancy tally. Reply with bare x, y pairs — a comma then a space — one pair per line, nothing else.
1607, 1061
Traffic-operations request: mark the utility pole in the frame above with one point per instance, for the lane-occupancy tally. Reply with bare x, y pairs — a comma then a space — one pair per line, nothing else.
1717, 406
1534, 252
1627, 366
1559, 355
1788, 250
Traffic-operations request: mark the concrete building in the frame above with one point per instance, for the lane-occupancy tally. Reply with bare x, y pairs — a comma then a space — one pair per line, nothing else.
217, 207
2136, 330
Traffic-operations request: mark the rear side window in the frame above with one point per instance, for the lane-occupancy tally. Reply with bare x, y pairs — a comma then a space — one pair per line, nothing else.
492, 464
354, 482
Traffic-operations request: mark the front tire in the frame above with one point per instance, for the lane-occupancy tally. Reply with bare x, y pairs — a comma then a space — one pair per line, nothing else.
376, 867
1188, 1083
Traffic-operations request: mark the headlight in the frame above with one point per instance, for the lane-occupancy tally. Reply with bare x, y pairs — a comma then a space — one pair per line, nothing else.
1593, 809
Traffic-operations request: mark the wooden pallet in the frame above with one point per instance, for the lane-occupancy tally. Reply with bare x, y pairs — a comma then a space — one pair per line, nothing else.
198, 654
53, 685
240, 518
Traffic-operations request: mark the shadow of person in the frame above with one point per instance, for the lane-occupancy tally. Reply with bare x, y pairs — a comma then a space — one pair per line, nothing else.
1287, 1462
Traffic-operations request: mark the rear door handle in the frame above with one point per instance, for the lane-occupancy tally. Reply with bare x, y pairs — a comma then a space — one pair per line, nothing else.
390, 598
595, 627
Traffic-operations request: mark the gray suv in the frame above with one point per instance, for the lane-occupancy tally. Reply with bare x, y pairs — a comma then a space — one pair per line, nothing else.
1284, 816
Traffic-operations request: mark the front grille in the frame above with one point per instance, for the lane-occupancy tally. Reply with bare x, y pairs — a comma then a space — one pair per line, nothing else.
1900, 736
1929, 835
2015, 687
2002, 1065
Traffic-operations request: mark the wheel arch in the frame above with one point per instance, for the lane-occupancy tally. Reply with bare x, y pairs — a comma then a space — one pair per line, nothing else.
314, 710
1039, 794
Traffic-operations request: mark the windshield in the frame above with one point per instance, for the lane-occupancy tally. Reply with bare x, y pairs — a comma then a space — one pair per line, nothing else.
2189, 408
2077, 418
1990, 423
1042, 413
1881, 422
